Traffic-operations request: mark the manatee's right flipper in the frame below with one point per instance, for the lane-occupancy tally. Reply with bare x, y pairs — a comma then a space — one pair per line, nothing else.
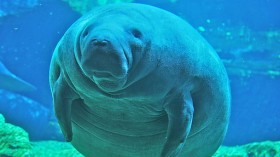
63, 96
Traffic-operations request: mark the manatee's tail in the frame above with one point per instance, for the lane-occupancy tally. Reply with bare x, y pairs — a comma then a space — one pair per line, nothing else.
9, 81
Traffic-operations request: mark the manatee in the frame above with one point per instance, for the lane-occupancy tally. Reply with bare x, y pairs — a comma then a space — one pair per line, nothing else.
10, 82
133, 80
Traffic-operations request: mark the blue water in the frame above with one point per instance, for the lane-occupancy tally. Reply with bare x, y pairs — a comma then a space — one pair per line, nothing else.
29, 37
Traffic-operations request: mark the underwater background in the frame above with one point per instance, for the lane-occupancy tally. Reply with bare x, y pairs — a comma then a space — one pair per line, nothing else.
246, 35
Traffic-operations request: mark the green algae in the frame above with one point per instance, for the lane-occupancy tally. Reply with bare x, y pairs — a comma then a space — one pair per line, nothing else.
257, 149
54, 149
83, 6
244, 51
262, 149
14, 142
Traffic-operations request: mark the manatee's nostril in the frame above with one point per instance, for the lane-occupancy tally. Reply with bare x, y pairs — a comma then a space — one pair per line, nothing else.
98, 42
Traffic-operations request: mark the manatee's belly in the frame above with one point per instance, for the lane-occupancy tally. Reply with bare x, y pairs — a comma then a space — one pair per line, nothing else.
99, 131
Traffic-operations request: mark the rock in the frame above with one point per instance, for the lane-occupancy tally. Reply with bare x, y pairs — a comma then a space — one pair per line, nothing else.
38, 120
54, 149
83, 6
14, 141
245, 51
268, 148
258, 149
8, 7
2, 119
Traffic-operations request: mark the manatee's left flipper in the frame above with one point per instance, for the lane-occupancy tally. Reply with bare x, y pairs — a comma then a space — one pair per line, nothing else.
63, 96
179, 108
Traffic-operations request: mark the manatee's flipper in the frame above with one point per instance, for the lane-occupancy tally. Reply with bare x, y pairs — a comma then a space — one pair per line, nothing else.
63, 96
179, 108
9, 81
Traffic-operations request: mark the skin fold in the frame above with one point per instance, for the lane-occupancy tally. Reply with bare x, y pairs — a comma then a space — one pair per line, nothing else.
139, 81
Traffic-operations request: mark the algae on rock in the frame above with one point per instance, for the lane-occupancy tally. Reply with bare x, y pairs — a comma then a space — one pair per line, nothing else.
258, 149
83, 6
54, 149
14, 141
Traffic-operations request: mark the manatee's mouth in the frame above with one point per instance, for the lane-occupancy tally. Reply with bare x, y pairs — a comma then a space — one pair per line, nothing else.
101, 75
108, 85
104, 60
108, 80
98, 77
105, 64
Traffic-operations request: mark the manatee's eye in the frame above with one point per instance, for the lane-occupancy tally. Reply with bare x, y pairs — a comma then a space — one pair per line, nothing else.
85, 33
136, 33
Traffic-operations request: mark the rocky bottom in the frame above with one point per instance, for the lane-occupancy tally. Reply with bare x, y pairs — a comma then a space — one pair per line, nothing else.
14, 142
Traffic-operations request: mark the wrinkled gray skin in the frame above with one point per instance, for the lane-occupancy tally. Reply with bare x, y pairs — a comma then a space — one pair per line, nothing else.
132, 80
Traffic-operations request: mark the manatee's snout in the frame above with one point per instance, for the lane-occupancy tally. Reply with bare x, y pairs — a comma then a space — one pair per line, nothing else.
100, 42
103, 57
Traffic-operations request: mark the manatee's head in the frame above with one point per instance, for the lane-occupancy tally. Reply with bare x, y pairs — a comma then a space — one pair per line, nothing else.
110, 45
